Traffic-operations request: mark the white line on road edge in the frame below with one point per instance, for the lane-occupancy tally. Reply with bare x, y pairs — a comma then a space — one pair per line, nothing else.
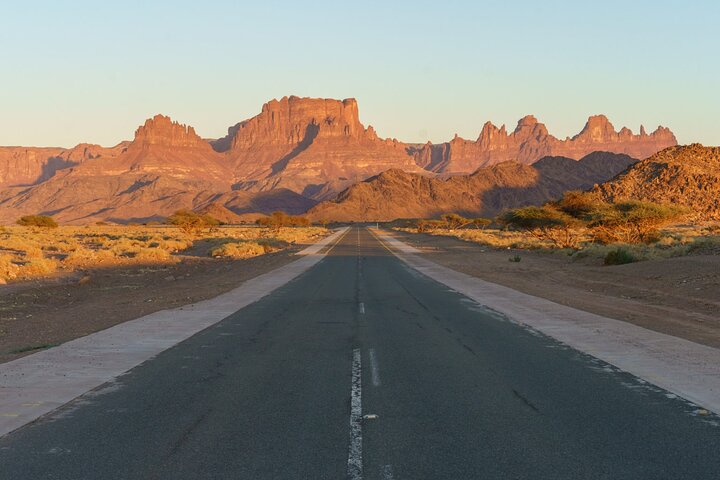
680, 366
355, 466
362, 308
374, 373
35, 385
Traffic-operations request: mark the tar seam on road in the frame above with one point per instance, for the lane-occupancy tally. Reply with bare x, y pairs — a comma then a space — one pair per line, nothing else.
355, 466
387, 473
374, 372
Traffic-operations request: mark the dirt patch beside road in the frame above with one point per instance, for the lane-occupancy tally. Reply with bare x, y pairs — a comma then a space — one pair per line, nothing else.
678, 296
38, 314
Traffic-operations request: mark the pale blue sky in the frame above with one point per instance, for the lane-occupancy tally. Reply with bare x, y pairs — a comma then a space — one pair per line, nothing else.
93, 70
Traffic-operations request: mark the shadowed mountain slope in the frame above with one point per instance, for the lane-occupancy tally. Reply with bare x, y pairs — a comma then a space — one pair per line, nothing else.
397, 194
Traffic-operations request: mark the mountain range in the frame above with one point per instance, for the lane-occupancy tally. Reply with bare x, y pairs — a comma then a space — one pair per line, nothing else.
295, 153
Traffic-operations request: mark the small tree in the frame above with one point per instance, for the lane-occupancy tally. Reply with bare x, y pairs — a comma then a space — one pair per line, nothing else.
481, 223
191, 222
546, 223
632, 221
579, 204
43, 221
454, 221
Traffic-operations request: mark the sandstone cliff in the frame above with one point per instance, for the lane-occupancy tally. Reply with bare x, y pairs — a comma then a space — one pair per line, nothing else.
313, 146
531, 141
166, 167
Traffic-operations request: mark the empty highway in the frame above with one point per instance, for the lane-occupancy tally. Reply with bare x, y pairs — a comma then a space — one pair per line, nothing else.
362, 368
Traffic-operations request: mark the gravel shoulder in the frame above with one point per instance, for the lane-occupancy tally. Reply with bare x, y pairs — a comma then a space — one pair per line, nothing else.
678, 296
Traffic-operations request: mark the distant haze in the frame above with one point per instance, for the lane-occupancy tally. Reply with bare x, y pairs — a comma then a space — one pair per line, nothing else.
77, 71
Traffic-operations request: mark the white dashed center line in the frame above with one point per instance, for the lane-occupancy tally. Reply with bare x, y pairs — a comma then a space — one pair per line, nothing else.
355, 466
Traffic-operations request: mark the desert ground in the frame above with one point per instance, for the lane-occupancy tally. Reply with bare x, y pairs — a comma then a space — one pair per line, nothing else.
675, 291
98, 276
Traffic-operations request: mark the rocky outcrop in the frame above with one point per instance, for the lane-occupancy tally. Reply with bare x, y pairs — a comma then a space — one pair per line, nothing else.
32, 165
398, 194
687, 175
162, 131
531, 141
313, 146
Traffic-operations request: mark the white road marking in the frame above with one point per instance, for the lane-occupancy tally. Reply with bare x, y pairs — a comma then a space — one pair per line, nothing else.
387, 473
374, 371
355, 466
362, 308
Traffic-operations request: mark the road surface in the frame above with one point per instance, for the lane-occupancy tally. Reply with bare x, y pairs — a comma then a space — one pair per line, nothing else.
362, 368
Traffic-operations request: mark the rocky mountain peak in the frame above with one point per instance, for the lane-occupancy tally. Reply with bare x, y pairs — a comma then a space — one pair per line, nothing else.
597, 129
295, 120
162, 130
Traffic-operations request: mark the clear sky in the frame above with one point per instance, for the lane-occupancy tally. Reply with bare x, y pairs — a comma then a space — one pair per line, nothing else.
92, 71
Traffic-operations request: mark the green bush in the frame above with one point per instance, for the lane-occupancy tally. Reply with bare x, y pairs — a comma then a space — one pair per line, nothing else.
620, 256
44, 221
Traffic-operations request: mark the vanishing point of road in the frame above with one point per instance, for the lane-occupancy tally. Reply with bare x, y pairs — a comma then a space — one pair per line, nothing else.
362, 368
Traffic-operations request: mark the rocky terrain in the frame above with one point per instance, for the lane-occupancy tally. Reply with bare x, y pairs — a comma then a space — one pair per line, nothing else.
686, 175
531, 141
396, 194
296, 152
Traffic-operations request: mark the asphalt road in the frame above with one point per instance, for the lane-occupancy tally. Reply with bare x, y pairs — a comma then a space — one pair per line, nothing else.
363, 368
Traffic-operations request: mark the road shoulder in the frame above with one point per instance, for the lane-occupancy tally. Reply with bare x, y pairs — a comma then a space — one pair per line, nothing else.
682, 367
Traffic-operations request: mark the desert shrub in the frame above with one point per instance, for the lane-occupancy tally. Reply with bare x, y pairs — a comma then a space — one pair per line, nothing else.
579, 204
31, 251
620, 256
239, 250
632, 221
546, 223
84, 256
299, 221
152, 254
279, 219
191, 222
43, 221
453, 221
430, 225
481, 223
8, 268
38, 267
515, 259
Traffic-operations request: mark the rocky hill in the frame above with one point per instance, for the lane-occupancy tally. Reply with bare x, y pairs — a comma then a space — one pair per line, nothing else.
685, 175
398, 194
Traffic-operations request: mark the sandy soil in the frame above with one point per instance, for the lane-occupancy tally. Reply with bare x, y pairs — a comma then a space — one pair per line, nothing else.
678, 296
43, 313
